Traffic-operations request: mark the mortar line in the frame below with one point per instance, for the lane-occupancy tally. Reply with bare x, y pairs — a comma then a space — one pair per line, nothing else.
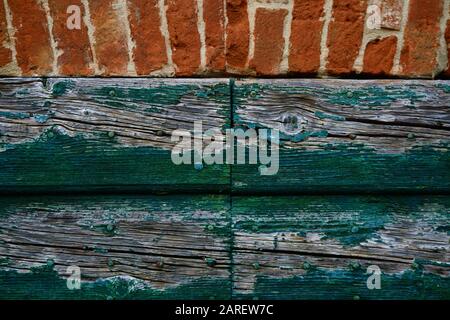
53, 43
397, 68
324, 51
442, 53
11, 37
202, 33
287, 29
122, 12
169, 69
91, 37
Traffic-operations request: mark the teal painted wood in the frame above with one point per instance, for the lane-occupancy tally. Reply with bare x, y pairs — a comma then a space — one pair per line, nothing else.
106, 134
114, 134
192, 247
127, 247
348, 135
320, 247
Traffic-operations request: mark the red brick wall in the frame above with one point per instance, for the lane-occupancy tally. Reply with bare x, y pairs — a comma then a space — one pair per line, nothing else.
374, 38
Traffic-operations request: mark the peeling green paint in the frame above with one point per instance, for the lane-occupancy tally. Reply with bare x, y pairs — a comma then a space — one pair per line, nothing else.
323, 284
15, 115
322, 115
350, 167
61, 87
349, 220
45, 284
55, 159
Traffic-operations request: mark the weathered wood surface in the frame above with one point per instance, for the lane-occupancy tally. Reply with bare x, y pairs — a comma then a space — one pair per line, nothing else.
317, 247
296, 247
106, 134
127, 247
348, 135
115, 134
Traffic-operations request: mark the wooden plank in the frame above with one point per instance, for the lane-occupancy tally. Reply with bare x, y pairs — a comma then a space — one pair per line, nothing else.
127, 247
319, 247
291, 247
106, 134
348, 135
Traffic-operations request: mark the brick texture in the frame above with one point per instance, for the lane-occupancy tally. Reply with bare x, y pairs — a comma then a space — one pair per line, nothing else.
215, 36
447, 40
76, 56
33, 46
184, 35
150, 53
111, 44
238, 33
379, 56
419, 54
391, 14
345, 35
192, 38
269, 42
5, 52
307, 24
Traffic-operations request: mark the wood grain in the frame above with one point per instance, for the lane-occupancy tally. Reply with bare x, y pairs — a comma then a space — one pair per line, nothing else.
291, 247
106, 134
127, 247
348, 135
315, 247
99, 136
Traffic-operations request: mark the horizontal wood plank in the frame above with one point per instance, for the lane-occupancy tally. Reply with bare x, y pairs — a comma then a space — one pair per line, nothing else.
348, 135
291, 247
106, 134
319, 247
127, 247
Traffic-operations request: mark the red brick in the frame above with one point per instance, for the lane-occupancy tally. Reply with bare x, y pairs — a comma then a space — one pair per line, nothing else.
111, 44
213, 13
34, 52
345, 35
379, 56
269, 41
447, 39
391, 11
421, 39
238, 33
184, 35
76, 57
306, 33
150, 51
5, 53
